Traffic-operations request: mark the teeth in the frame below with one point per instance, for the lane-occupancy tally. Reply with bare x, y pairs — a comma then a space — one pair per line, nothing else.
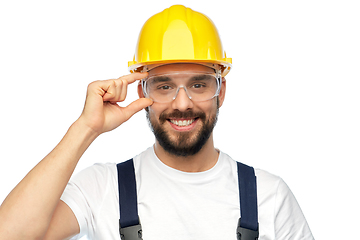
183, 123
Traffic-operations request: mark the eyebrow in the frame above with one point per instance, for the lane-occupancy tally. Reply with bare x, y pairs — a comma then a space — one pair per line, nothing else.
158, 79
201, 77
162, 79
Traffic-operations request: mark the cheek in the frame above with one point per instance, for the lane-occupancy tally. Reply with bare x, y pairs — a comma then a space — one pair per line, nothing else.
156, 109
209, 107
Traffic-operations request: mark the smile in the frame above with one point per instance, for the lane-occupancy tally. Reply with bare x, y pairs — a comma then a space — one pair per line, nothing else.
182, 123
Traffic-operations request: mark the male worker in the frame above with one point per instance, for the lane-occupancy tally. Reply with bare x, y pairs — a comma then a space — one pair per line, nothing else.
180, 188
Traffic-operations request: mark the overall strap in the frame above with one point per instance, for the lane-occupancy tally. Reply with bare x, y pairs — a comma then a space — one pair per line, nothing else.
248, 226
129, 223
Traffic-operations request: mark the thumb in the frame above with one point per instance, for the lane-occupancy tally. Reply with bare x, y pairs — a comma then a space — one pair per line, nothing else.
136, 106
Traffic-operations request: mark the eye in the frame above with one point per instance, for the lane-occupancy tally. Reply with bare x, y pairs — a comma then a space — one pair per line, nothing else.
164, 87
198, 85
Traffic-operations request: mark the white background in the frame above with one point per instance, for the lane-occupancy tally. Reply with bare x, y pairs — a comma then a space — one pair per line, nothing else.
292, 103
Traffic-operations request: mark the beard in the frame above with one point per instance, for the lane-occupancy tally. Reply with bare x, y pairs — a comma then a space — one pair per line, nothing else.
183, 143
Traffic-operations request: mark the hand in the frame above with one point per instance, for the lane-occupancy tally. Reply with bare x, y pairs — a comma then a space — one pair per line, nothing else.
101, 112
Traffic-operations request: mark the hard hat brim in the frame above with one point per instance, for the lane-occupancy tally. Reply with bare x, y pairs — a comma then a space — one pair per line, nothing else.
224, 65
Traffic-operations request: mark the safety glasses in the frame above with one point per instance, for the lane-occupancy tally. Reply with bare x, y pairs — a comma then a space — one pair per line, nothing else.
198, 86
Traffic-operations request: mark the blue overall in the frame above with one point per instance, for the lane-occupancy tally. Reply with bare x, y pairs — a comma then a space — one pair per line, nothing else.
129, 223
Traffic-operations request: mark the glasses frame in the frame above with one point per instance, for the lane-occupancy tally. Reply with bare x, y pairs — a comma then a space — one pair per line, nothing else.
217, 77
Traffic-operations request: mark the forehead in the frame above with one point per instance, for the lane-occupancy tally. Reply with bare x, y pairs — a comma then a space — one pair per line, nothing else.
180, 67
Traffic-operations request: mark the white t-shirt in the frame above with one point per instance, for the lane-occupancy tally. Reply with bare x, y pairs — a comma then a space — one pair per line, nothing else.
179, 205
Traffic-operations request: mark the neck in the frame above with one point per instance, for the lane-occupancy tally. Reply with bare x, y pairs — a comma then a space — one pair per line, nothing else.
204, 160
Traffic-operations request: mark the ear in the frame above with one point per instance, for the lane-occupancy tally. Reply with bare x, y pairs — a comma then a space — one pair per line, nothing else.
140, 90
222, 92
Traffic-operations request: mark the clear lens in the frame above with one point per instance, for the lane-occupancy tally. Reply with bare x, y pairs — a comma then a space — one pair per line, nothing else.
198, 86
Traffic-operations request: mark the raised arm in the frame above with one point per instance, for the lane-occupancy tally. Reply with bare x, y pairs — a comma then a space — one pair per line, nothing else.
34, 205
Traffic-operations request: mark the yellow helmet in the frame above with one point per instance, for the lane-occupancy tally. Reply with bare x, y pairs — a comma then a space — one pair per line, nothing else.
176, 35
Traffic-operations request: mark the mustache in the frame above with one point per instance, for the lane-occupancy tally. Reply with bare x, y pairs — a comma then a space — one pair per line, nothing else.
177, 114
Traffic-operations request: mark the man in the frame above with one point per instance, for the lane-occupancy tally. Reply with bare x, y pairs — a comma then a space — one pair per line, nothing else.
186, 188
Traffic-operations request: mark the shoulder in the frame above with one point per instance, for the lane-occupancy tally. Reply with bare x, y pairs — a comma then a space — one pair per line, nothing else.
92, 194
264, 179
268, 184
271, 188
279, 209
101, 173
267, 180
104, 173
95, 180
98, 172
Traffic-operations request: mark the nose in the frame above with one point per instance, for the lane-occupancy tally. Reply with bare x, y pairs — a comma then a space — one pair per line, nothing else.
182, 101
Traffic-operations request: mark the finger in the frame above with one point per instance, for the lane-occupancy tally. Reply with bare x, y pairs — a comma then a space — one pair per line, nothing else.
123, 90
136, 106
115, 90
120, 92
110, 90
134, 76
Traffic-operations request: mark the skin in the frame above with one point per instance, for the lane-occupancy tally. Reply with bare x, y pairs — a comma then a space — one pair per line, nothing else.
33, 209
208, 155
